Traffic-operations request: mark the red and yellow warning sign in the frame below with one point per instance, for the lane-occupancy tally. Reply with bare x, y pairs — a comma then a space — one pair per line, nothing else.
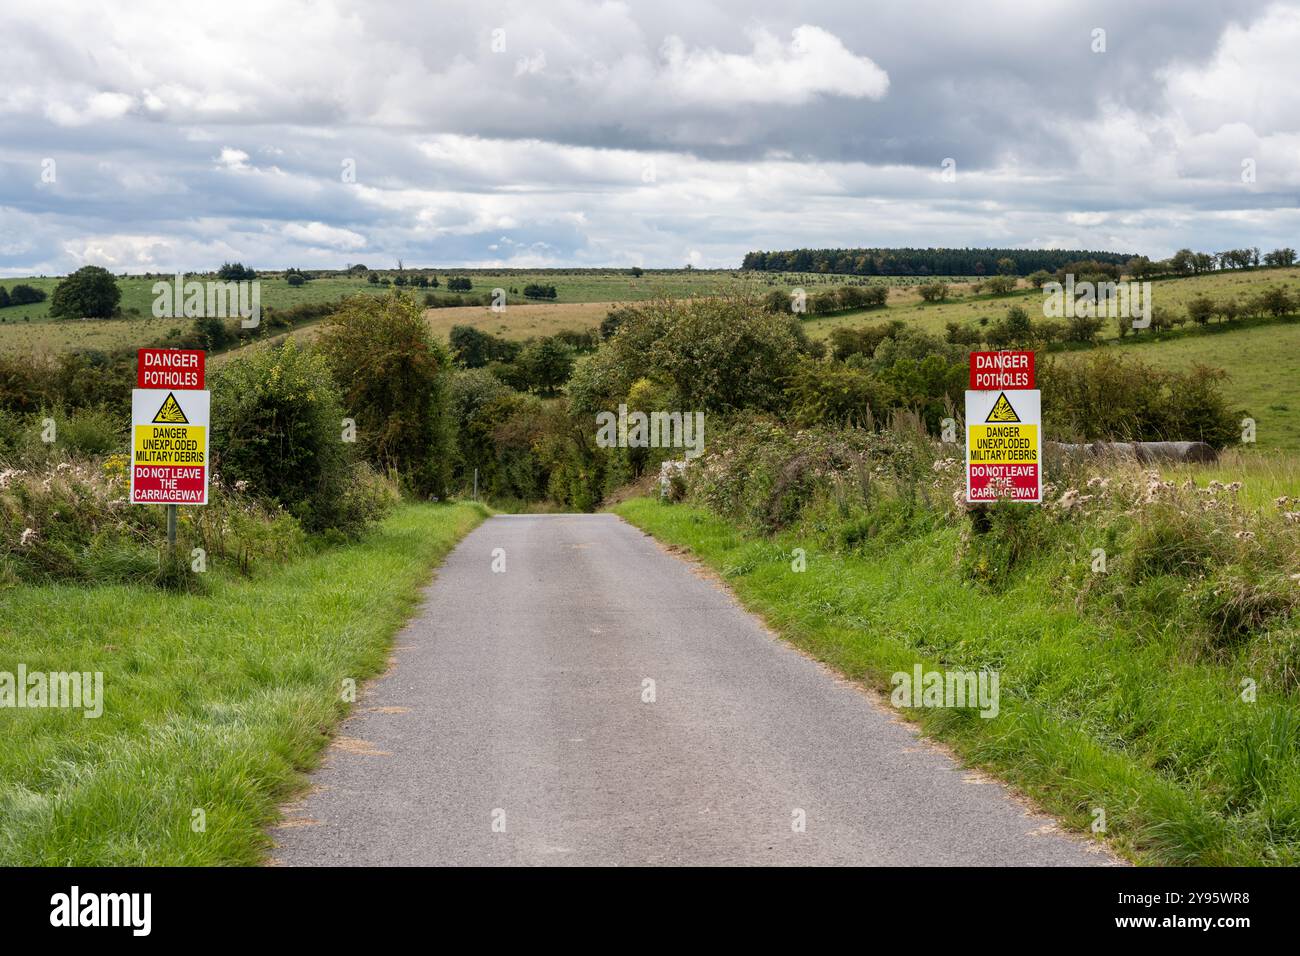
169, 446
1004, 448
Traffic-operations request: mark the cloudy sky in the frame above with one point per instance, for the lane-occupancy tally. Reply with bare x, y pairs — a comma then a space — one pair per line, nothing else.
155, 136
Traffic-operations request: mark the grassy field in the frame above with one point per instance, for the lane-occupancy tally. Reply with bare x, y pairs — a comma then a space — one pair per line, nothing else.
1262, 361
1263, 366
1096, 712
584, 296
906, 304
215, 702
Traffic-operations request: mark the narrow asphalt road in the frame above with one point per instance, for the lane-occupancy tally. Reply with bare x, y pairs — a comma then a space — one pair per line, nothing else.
513, 727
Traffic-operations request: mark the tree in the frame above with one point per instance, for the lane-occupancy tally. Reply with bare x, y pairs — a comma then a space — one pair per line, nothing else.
721, 354
546, 364
394, 377
471, 347
1280, 257
1006, 266
23, 294
610, 323
1201, 309
637, 272
1036, 279
1276, 301
1000, 285
90, 292
4, 297
235, 272
1183, 261
459, 284
1019, 328
295, 278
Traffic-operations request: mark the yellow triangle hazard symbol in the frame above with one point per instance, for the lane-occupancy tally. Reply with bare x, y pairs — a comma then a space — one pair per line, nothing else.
1002, 411
170, 413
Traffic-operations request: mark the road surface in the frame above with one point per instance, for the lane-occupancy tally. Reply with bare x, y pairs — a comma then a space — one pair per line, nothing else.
516, 726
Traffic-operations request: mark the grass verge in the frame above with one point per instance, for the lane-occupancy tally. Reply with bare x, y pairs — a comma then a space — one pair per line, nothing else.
1095, 715
214, 703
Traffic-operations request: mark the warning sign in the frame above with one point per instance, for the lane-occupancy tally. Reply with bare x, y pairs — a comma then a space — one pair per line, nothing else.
169, 446
1004, 448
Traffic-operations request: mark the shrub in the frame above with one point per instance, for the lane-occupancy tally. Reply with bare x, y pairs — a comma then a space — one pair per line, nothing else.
1108, 397
1000, 285
71, 521
277, 425
1236, 602
823, 393
934, 291
91, 432
394, 378
846, 342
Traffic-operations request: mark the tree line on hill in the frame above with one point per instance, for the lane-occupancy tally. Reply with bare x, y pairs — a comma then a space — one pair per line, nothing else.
914, 261
1009, 262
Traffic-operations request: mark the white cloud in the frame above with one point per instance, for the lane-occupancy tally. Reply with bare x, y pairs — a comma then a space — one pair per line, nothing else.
319, 234
233, 159
95, 108
814, 63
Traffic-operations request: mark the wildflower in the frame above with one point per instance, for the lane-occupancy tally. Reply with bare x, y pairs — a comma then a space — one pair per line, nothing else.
1280, 502
1245, 536
1292, 517
1069, 500
242, 485
27, 537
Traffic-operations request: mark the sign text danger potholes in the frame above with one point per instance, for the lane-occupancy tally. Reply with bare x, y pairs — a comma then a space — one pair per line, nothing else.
169, 447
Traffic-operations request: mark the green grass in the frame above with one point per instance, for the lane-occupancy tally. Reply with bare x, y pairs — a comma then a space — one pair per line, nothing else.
215, 702
1096, 711
967, 309
1263, 365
